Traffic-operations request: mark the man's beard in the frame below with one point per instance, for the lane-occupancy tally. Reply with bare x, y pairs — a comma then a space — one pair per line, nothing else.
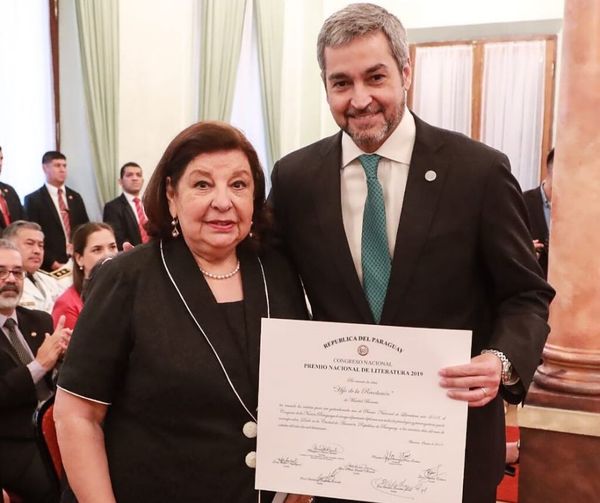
9, 302
368, 138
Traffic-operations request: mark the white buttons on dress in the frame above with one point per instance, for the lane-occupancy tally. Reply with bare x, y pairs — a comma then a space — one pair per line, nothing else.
249, 429
251, 459
430, 175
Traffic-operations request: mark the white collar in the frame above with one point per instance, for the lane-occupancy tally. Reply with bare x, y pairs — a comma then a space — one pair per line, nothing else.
54, 190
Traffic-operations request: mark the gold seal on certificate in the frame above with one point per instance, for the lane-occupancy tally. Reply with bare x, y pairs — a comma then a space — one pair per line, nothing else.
356, 412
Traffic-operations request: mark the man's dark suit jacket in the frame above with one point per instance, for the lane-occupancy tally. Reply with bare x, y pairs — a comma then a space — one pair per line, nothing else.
537, 223
119, 214
18, 398
40, 208
13, 202
463, 260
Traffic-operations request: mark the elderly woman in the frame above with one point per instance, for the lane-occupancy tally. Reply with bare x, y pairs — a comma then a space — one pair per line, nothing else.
157, 397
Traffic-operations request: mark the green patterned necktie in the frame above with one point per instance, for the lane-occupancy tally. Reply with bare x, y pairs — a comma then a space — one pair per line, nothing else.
375, 255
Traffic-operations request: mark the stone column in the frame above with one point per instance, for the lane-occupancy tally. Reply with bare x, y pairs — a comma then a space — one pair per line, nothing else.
560, 425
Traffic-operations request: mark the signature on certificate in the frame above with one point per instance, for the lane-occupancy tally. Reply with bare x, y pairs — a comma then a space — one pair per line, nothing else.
398, 487
286, 461
396, 458
324, 478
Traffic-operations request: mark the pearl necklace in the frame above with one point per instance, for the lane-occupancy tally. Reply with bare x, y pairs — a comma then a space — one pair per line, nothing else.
221, 276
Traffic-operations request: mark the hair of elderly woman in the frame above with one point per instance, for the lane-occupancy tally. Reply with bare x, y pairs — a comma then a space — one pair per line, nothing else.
79, 239
359, 20
201, 138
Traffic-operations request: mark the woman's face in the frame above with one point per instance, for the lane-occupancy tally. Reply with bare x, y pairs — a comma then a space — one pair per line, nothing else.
214, 202
99, 244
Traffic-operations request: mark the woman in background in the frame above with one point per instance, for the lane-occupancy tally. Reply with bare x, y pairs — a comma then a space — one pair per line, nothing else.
157, 397
91, 242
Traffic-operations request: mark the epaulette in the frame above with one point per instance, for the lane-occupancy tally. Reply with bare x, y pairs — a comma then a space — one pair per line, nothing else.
61, 273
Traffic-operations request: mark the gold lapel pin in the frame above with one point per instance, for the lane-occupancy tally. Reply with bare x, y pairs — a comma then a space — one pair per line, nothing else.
33, 334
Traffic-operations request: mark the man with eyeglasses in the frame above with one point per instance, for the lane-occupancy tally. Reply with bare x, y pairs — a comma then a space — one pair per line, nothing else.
28, 355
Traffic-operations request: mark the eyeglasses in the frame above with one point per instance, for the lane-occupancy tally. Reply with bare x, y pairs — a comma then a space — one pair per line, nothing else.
17, 273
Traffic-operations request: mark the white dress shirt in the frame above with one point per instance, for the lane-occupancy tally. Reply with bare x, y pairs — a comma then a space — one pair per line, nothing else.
392, 172
129, 198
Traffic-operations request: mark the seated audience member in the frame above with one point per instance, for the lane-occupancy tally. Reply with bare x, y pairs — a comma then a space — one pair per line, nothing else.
57, 208
91, 242
40, 289
28, 355
125, 214
10, 204
539, 206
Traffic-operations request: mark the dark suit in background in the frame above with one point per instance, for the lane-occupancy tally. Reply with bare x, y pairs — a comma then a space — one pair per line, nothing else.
15, 208
119, 214
462, 260
40, 208
537, 223
21, 467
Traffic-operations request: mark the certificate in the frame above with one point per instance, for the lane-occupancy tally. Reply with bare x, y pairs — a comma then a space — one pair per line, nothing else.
356, 412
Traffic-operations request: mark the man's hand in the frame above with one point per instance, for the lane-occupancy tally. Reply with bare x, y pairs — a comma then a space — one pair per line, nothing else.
538, 247
476, 382
54, 345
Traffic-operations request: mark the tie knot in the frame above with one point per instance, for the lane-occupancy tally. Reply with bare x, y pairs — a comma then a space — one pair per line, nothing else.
136, 200
60, 192
369, 163
10, 323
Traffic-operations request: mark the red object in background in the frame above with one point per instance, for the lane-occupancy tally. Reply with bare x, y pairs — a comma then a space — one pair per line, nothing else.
508, 490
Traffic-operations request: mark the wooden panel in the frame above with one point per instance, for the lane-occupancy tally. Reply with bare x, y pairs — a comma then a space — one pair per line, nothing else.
477, 90
549, 89
413, 61
53, 9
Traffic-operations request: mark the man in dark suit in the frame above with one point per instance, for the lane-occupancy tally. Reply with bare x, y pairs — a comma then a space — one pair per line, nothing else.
431, 231
27, 357
126, 214
539, 206
57, 208
10, 204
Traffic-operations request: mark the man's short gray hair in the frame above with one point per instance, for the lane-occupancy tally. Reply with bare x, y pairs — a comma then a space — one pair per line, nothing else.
13, 229
5, 244
358, 20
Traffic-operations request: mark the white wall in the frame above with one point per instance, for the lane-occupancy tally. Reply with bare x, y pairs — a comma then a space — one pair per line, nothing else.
159, 77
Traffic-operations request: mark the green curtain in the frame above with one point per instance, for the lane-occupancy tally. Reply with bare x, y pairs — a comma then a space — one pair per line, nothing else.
269, 21
222, 23
98, 26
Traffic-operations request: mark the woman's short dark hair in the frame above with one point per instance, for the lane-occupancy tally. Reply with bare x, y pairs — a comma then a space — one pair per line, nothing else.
202, 138
79, 239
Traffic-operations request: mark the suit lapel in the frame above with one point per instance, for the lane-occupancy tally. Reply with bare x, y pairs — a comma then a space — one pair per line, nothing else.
50, 204
209, 316
131, 219
327, 204
418, 209
6, 347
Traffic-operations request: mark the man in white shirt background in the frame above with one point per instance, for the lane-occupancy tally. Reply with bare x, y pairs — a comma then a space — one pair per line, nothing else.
57, 208
40, 289
125, 214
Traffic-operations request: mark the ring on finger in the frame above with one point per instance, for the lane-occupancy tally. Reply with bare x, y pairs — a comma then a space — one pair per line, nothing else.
484, 391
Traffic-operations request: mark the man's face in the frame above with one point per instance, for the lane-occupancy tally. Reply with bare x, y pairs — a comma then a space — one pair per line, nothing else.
365, 90
56, 172
133, 180
11, 287
31, 245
